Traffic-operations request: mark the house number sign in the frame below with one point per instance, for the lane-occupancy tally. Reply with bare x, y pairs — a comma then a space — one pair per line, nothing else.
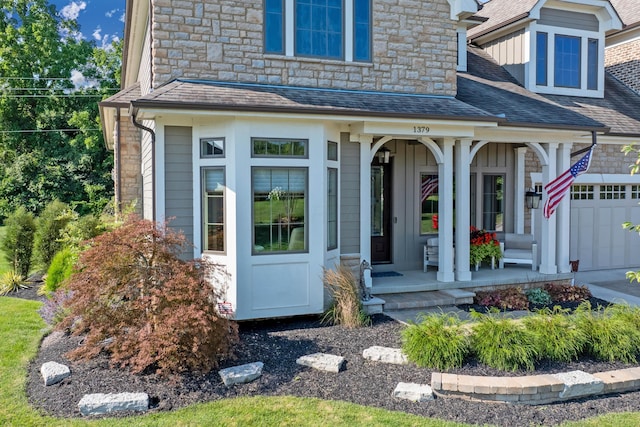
421, 129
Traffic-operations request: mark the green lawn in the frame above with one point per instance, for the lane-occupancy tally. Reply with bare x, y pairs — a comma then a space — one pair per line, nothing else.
21, 330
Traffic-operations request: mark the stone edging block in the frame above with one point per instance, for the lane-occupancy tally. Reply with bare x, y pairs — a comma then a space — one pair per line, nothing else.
241, 374
322, 362
100, 403
385, 355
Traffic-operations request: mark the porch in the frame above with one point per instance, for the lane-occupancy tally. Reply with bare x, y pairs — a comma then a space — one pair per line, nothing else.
417, 289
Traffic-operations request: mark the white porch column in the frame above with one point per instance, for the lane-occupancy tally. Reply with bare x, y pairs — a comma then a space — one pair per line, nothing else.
445, 213
365, 197
518, 205
563, 214
547, 248
463, 213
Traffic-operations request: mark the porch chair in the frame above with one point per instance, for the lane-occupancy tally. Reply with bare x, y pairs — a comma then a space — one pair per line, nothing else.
519, 249
430, 256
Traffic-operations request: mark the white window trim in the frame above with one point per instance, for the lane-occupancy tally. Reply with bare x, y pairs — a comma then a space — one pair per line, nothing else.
584, 40
289, 32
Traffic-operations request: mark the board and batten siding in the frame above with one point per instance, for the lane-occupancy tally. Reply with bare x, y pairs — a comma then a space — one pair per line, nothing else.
178, 179
349, 195
147, 172
568, 19
509, 51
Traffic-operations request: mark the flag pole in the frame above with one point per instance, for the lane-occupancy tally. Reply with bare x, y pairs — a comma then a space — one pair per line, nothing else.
594, 142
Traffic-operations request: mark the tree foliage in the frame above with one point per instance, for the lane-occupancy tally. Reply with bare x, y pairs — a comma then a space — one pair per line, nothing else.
17, 243
51, 146
136, 300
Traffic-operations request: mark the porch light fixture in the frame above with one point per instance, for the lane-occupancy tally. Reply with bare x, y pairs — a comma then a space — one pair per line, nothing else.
383, 155
532, 199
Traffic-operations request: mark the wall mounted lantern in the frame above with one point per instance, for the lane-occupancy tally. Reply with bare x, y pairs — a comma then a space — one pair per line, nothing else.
532, 199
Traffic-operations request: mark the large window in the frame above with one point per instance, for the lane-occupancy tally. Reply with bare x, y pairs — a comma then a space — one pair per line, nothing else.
213, 206
561, 62
319, 28
279, 209
567, 61
493, 202
428, 203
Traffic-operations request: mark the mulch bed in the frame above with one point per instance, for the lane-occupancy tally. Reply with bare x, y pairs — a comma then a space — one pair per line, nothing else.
596, 303
278, 343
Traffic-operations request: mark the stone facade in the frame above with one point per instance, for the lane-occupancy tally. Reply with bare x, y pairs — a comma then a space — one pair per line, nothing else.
128, 188
223, 40
623, 62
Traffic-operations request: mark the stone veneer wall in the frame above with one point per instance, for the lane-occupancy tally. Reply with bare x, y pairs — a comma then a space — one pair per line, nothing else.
414, 48
130, 184
623, 61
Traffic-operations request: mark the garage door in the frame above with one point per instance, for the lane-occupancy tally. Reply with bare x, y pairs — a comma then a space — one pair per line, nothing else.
597, 237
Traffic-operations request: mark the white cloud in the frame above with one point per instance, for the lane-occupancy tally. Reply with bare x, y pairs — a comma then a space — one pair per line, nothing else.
73, 9
78, 79
97, 33
122, 17
110, 13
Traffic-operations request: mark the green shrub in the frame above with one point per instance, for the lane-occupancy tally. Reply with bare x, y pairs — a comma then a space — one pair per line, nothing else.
538, 296
502, 343
505, 299
557, 337
11, 282
49, 226
18, 240
347, 308
438, 341
60, 270
610, 337
135, 300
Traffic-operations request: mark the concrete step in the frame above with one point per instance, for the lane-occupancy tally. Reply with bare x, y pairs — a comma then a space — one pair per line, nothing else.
411, 300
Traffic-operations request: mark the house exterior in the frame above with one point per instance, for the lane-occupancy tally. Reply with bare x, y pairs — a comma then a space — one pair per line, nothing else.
288, 136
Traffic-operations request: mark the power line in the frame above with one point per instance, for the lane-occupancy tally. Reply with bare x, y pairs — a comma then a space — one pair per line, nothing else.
48, 78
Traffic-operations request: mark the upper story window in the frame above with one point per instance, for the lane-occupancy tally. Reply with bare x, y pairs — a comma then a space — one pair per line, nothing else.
332, 29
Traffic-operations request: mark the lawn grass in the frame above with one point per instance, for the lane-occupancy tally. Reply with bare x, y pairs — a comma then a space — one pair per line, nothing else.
21, 330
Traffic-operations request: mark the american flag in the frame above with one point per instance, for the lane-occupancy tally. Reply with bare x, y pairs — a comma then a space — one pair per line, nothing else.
557, 188
429, 186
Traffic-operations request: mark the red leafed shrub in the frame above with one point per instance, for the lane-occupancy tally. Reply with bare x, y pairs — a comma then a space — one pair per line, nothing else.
509, 299
562, 293
143, 306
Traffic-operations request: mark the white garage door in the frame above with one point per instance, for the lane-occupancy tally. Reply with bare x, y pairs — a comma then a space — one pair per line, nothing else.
597, 237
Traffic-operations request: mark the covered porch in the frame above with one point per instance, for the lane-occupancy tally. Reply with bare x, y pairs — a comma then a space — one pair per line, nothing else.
418, 281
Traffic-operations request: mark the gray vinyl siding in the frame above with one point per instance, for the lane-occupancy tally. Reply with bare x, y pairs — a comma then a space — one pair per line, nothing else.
147, 173
568, 19
349, 195
179, 179
508, 51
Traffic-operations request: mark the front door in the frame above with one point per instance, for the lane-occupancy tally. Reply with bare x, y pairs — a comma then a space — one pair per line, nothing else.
380, 212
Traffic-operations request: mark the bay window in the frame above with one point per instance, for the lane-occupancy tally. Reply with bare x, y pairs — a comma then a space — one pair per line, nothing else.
213, 184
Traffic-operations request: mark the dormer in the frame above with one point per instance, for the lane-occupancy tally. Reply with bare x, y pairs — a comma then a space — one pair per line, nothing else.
549, 46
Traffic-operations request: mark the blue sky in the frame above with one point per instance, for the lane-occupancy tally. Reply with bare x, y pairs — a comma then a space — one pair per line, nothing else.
100, 20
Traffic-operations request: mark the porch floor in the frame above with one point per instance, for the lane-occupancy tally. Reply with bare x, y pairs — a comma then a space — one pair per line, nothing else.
418, 281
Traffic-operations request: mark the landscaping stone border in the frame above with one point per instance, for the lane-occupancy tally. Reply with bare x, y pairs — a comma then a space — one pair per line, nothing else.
535, 389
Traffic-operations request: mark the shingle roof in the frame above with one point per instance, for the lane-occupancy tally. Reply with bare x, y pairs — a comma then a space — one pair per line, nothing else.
490, 87
214, 95
122, 98
501, 12
628, 10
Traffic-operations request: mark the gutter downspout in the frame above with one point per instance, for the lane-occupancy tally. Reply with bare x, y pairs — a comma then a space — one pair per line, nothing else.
118, 159
153, 162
